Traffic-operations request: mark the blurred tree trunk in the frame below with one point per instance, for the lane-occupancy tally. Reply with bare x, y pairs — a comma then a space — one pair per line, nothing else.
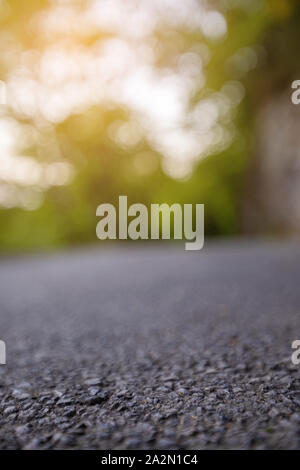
272, 196
272, 199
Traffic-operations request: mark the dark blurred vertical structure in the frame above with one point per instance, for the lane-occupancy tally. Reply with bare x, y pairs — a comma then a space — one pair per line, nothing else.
272, 197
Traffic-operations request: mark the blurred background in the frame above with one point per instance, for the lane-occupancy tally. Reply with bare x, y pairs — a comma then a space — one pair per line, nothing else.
162, 100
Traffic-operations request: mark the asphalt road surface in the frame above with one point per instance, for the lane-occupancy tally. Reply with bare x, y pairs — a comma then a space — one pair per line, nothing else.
151, 347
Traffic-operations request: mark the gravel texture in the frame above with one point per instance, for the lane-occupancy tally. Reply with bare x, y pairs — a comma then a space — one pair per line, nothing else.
152, 348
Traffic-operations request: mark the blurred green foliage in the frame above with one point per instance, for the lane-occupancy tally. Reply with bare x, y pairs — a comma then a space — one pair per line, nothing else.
105, 170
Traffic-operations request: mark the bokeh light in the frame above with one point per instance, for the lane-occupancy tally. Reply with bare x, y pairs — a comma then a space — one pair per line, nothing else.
66, 72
